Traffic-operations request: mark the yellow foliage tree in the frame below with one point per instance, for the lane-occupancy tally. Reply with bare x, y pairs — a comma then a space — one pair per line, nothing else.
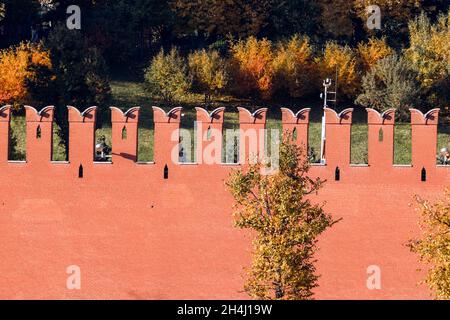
372, 51
434, 246
208, 71
252, 67
18, 67
429, 51
340, 61
293, 66
284, 223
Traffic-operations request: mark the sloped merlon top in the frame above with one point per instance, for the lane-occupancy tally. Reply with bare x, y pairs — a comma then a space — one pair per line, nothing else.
344, 117
45, 115
215, 116
87, 115
387, 117
173, 116
257, 117
5, 113
431, 117
130, 116
289, 117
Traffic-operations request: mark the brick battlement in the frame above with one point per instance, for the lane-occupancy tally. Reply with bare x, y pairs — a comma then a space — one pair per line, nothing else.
163, 230
167, 125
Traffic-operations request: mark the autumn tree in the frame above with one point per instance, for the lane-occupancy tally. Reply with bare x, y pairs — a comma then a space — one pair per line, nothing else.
395, 15
238, 18
372, 51
278, 210
393, 11
243, 18
25, 73
209, 72
340, 62
429, 53
252, 68
167, 76
125, 31
433, 247
293, 66
336, 18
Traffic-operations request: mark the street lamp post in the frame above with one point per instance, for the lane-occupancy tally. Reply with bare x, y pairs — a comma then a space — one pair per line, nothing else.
324, 96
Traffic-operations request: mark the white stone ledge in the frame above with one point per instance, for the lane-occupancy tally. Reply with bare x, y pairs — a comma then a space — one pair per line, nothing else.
187, 163
145, 162
229, 164
60, 162
317, 164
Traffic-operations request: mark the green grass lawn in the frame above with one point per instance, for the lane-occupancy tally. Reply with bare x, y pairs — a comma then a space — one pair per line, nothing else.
127, 94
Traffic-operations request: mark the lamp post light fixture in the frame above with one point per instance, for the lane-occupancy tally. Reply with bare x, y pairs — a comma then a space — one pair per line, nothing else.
324, 96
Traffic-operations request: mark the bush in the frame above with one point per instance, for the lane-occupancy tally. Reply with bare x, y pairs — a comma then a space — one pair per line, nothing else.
167, 76
390, 84
294, 67
252, 67
208, 71
343, 61
25, 74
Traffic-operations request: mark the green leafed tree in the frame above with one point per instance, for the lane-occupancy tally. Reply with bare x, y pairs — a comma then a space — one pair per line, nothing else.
167, 76
81, 76
390, 83
433, 247
285, 223
81, 72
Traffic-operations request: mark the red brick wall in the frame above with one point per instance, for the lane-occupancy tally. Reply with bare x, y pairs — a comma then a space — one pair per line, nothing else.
136, 235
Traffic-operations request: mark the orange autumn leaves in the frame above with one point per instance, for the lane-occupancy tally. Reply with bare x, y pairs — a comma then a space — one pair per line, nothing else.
256, 68
252, 66
263, 68
18, 65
